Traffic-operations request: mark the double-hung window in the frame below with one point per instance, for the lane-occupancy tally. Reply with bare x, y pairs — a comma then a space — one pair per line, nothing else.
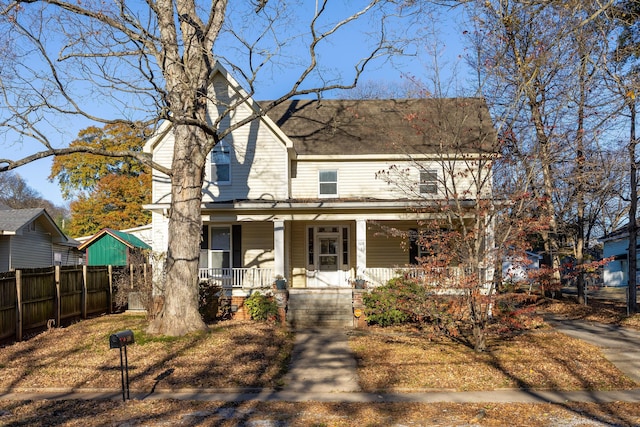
221, 164
220, 247
328, 183
428, 181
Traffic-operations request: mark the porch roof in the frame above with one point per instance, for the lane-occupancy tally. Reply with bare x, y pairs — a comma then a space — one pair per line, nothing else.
321, 209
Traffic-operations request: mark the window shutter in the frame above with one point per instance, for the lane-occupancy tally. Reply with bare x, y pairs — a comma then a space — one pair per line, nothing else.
413, 246
204, 243
236, 242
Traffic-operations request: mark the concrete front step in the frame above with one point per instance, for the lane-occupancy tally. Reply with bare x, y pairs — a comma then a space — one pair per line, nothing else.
323, 307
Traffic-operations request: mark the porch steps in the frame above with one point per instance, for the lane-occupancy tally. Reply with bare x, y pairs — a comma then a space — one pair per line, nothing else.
320, 308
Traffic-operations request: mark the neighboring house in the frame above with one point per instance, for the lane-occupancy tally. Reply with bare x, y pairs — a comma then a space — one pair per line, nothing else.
615, 246
517, 269
29, 238
112, 247
295, 193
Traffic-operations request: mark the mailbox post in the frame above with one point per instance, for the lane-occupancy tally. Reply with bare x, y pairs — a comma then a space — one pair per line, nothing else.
120, 340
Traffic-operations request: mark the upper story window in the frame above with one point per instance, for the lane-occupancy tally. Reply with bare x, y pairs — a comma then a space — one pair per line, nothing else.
221, 163
328, 183
428, 181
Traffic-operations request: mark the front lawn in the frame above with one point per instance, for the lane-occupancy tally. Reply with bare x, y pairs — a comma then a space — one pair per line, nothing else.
230, 354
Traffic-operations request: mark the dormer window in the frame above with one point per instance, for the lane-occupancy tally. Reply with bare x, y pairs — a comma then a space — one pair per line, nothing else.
328, 183
428, 181
221, 164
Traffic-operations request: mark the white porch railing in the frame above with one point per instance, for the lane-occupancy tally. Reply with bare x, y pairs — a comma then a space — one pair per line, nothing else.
264, 277
238, 277
380, 276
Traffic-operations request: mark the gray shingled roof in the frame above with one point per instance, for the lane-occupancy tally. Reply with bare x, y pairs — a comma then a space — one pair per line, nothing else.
328, 127
12, 219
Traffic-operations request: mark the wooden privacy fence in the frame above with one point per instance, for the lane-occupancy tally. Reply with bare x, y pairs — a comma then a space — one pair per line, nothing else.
42, 297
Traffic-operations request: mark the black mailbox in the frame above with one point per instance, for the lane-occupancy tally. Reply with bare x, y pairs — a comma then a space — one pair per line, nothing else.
121, 339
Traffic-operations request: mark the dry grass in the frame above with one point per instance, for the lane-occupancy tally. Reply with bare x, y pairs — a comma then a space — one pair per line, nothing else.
246, 354
603, 311
230, 354
304, 414
539, 360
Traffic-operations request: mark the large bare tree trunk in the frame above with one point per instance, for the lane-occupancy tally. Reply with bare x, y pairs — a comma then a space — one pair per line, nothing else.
180, 313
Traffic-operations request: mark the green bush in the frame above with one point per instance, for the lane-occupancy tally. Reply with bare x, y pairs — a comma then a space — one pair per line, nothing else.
261, 307
399, 301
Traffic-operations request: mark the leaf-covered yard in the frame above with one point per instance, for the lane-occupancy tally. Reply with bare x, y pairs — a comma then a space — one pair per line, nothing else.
255, 355
230, 354
535, 360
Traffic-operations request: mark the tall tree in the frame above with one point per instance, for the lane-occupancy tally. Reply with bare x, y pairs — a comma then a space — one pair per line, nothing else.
541, 61
154, 61
79, 174
116, 202
626, 75
624, 70
106, 191
16, 193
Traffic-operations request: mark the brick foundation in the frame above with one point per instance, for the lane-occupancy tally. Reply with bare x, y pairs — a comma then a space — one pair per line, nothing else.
358, 304
241, 313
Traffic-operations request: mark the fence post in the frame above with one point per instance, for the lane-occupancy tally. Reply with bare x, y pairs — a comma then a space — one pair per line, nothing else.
110, 274
83, 300
58, 296
19, 305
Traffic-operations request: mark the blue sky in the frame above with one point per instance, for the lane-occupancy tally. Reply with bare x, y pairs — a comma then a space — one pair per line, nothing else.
450, 44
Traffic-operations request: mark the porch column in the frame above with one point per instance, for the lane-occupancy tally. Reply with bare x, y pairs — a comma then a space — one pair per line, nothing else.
361, 247
278, 247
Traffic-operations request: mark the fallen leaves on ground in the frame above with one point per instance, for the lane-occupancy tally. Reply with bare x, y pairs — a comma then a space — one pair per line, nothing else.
293, 414
391, 359
248, 354
597, 310
230, 354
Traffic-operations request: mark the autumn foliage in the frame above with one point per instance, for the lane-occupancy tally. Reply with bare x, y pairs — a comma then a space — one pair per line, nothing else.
105, 191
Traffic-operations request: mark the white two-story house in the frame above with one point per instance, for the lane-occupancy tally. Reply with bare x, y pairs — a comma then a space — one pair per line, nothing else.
299, 192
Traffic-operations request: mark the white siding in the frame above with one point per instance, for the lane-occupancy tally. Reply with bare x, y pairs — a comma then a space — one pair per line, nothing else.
259, 160
257, 245
358, 179
383, 250
163, 155
160, 232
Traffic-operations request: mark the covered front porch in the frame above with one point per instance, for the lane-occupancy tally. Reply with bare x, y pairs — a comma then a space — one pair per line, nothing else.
311, 246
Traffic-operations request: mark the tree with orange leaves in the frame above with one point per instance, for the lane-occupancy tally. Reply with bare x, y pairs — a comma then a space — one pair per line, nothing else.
106, 192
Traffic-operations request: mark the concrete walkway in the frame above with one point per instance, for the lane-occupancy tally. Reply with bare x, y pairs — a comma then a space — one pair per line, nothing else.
323, 369
621, 346
322, 362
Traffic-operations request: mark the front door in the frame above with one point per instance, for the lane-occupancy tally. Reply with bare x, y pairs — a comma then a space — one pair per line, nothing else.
329, 257
328, 262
